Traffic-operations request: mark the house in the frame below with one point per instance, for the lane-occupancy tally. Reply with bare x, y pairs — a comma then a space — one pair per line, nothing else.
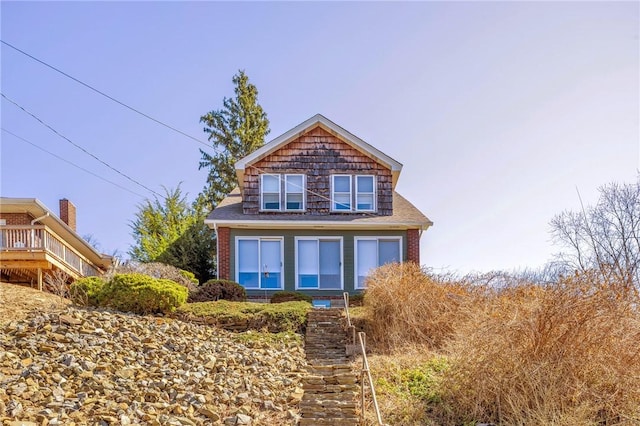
315, 211
34, 242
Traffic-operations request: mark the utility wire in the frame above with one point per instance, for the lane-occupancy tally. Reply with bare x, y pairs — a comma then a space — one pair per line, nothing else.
71, 163
142, 114
317, 194
107, 96
80, 147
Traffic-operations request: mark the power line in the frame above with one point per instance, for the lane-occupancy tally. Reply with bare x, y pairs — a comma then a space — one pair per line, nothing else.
108, 96
71, 163
80, 147
138, 112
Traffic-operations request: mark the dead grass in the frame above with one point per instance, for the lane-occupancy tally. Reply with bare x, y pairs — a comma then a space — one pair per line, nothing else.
565, 354
406, 306
17, 301
562, 354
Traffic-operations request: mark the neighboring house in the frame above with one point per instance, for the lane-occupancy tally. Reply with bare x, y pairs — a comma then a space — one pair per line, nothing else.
35, 242
316, 210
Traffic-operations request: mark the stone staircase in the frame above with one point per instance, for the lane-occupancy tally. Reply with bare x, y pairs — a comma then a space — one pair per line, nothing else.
330, 388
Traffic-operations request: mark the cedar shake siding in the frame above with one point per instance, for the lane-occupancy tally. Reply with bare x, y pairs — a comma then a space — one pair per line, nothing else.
290, 242
318, 155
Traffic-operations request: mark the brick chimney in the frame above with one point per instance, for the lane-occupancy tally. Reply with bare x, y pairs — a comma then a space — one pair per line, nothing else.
68, 213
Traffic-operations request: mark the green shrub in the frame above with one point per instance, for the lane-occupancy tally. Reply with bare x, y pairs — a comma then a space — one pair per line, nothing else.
235, 316
190, 276
214, 290
142, 294
157, 270
86, 291
290, 296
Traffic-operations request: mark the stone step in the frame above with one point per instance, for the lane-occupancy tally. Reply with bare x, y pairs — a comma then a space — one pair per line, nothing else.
330, 387
336, 421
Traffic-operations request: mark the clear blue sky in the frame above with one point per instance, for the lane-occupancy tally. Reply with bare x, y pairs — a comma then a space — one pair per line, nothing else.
498, 110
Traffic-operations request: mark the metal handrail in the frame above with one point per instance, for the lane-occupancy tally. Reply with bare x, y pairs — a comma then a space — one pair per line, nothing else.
365, 372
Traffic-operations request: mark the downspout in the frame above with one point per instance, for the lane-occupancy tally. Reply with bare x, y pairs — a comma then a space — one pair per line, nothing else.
33, 222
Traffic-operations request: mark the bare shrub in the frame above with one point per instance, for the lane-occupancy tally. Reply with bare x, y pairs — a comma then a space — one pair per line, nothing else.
215, 289
406, 305
57, 282
562, 354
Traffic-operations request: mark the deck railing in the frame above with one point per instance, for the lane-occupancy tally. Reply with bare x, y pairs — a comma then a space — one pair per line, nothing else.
34, 238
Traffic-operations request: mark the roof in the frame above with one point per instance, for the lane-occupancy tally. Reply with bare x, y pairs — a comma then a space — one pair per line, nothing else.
319, 120
37, 209
229, 213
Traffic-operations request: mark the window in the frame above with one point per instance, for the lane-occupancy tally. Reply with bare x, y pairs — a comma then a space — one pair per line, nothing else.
341, 193
365, 193
319, 263
373, 252
347, 198
259, 262
294, 192
270, 192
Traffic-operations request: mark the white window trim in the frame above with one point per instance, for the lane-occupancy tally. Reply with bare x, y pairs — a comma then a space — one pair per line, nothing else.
317, 239
259, 239
333, 194
377, 240
262, 192
303, 190
357, 192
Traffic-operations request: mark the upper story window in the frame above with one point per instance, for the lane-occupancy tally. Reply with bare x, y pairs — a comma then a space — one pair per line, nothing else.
341, 193
294, 192
353, 193
282, 192
270, 192
365, 193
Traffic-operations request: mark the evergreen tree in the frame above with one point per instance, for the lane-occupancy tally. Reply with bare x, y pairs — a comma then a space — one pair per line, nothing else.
236, 130
173, 232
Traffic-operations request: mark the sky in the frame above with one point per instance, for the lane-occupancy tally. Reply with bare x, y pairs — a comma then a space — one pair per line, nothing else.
503, 114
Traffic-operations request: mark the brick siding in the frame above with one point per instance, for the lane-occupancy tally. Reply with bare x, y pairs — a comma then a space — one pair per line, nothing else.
413, 246
224, 254
17, 218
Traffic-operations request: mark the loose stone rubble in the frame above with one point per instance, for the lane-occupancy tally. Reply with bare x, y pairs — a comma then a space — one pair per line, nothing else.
94, 367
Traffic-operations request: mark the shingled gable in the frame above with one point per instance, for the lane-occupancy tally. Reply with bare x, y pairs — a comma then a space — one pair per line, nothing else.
283, 228
321, 121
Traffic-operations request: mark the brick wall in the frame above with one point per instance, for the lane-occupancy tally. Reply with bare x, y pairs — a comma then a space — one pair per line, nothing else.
224, 253
17, 218
413, 245
318, 154
68, 213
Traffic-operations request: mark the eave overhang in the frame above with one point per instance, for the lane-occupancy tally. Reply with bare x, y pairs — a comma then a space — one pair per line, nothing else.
307, 224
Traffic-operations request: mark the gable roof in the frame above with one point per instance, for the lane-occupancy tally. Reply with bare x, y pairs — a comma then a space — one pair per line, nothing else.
319, 120
229, 213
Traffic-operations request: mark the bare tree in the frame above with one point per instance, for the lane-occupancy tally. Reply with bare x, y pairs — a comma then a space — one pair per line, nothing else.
604, 237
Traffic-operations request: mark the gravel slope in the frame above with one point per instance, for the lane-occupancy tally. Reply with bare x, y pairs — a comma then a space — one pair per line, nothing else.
76, 366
